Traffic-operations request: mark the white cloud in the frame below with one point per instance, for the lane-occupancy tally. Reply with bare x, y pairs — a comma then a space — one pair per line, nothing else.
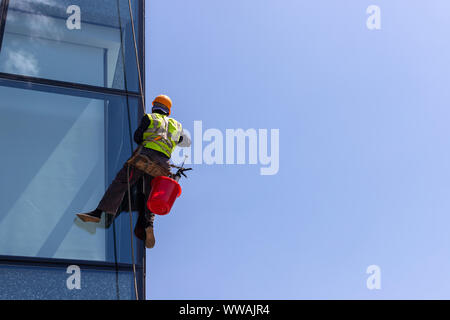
21, 62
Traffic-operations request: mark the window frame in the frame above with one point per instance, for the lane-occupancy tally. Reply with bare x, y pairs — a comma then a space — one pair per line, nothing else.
3, 15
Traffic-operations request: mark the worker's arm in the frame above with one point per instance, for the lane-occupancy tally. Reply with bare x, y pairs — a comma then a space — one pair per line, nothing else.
139, 133
184, 141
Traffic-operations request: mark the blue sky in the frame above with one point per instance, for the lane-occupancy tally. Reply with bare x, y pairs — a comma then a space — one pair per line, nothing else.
364, 154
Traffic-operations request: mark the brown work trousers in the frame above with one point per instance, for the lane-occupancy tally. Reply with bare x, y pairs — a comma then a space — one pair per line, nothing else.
114, 196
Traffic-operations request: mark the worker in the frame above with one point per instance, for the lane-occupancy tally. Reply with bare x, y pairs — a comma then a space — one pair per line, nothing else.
158, 134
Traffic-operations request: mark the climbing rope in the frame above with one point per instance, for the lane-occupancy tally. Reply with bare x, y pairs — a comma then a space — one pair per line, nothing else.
141, 89
141, 93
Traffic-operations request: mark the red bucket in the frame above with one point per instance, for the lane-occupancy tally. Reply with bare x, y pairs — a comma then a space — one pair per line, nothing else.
164, 193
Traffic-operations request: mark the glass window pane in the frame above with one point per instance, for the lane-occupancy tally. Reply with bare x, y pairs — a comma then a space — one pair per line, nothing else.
59, 153
40, 41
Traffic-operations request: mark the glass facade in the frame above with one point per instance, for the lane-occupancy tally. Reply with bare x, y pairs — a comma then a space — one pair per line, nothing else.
70, 102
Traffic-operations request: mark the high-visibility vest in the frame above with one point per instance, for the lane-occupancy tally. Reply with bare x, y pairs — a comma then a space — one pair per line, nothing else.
162, 134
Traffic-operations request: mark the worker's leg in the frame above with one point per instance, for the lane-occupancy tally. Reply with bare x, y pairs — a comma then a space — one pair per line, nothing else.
144, 226
149, 218
113, 197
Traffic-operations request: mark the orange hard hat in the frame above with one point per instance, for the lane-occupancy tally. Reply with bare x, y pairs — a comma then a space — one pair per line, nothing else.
164, 100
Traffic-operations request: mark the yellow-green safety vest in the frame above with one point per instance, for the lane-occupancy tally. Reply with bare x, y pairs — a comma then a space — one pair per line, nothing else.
162, 134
